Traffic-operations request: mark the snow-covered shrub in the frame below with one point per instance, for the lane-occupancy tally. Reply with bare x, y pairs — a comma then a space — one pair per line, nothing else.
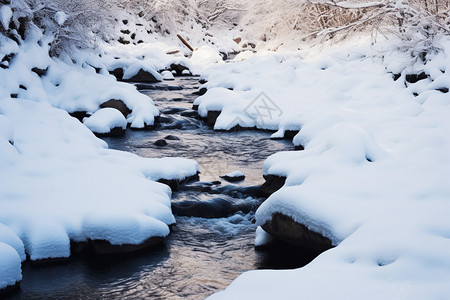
170, 16
72, 24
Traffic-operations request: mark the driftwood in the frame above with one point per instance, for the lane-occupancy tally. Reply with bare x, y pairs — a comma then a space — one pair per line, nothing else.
185, 42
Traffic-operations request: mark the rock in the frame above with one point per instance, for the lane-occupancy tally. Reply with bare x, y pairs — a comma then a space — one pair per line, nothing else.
237, 40
189, 113
178, 68
213, 208
413, 78
80, 115
200, 92
212, 117
289, 134
40, 72
142, 76
175, 184
286, 229
171, 138
236, 191
103, 247
234, 176
160, 143
273, 183
118, 73
11, 289
117, 104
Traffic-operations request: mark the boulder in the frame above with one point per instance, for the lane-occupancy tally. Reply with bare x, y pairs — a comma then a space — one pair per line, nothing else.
103, 247
160, 143
212, 117
234, 176
178, 68
273, 183
117, 104
288, 230
142, 76
213, 208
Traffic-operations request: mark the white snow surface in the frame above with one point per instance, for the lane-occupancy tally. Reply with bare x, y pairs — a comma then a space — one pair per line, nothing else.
10, 271
261, 237
60, 18
5, 16
105, 119
235, 174
167, 75
373, 176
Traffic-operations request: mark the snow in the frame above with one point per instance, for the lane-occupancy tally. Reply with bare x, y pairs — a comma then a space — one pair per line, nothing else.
373, 177
105, 119
7, 236
10, 271
61, 18
203, 57
261, 237
167, 75
235, 174
5, 16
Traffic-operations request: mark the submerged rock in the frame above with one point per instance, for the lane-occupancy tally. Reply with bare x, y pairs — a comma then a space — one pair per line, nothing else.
286, 229
160, 143
171, 138
234, 176
213, 208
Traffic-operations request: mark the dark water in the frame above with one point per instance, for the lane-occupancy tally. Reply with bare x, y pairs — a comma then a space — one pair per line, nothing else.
201, 256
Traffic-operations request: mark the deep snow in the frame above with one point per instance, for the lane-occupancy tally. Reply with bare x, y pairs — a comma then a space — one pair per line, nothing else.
373, 176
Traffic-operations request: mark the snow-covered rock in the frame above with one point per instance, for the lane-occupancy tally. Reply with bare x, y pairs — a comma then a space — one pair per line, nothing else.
107, 121
203, 57
5, 16
167, 75
10, 266
234, 176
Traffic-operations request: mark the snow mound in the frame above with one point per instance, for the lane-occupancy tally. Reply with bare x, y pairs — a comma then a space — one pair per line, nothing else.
204, 57
167, 75
104, 120
7, 236
10, 266
262, 238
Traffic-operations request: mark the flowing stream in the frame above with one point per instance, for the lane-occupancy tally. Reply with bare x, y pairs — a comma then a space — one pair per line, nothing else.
201, 256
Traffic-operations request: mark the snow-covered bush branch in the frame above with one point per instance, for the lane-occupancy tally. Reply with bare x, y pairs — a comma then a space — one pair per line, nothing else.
71, 23
172, 15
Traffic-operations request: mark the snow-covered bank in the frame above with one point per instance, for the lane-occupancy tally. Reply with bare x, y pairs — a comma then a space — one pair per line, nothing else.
60, 183
373, 177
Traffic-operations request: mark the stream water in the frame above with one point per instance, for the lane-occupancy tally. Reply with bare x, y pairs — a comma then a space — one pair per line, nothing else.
201, 256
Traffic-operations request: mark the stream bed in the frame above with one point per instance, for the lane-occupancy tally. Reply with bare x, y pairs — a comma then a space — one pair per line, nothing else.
201, 256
